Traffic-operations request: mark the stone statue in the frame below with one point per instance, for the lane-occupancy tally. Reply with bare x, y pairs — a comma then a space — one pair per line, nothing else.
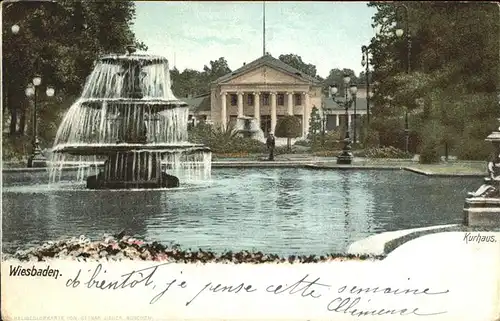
491, 186
482, 208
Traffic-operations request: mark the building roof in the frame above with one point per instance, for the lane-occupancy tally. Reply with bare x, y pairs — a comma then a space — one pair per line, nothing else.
330, 104
198, 103
272, 62
202, 103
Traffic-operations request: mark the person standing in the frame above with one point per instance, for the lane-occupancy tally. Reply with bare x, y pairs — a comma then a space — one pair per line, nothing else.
271, 143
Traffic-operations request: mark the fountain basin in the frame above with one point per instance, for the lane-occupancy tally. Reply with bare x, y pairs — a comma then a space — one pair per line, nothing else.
163, 181
275, 210
132, 170
153, 104
106, 149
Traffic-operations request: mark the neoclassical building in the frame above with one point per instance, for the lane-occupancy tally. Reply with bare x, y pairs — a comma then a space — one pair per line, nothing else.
265, 89
268, 89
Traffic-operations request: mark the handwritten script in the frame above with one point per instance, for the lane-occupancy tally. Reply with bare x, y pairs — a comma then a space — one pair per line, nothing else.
347, 299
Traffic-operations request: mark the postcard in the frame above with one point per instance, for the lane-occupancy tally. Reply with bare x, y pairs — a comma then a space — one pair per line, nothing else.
186, 160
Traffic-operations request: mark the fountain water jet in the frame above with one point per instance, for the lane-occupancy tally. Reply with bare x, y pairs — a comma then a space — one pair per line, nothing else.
248, 127
128, 128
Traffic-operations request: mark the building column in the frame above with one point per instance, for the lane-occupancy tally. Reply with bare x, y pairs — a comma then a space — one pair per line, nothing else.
273, 111
305, 114
256, 103
337, 120
240, 104
290, 103
223, 113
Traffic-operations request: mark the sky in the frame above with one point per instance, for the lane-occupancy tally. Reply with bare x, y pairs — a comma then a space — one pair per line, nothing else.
190, 34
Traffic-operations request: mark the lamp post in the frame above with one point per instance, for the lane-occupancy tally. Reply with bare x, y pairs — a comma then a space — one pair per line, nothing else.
36, 159
354, 124
324, 114
15, 29
399, 32
346, 156
365, 62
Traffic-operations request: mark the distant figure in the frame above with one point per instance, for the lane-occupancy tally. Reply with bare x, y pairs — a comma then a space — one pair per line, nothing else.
271, 143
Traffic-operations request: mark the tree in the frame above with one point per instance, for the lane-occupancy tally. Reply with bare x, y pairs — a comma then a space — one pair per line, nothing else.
336, 76
60, 41
315, 124
191, 82
289, 127
296, 62
218, 68
454, 72
187, 83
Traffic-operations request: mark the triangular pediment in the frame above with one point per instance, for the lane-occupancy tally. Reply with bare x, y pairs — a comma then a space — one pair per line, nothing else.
267, 75
266, 69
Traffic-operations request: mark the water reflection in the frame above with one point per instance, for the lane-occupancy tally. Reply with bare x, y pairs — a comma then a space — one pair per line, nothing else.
287, 211
290, 191
410, 201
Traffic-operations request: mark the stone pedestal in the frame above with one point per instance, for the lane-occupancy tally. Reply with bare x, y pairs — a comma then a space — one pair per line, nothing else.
132, 170
346, 157
482, 208
37, 159
482, 212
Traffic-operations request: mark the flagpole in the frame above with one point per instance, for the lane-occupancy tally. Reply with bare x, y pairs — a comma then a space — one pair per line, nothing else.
263, 28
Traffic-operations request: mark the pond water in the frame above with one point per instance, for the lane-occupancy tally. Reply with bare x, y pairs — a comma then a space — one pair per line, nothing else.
281, 210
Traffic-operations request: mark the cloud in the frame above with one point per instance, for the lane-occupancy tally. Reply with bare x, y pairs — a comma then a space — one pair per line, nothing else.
328, 35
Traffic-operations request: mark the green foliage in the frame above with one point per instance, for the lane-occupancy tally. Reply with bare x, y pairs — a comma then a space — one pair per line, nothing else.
288, 127
221, 140
302, 142
472, 146
193, 82
59, 41
336, 76
15, 148
331, 140
188, 82
390, 130
429, 149
371, 138
296, 62
315, 124
474, 149
452, 79
386, 152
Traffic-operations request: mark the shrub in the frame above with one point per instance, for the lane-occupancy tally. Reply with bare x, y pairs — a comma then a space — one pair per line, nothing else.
430, 142
224, 141
15, 148
429, 153
371, 139
390, 131
327, 153
332, 140
472, 145
288, 127
315, 123
474, 149
386, 152
303, 142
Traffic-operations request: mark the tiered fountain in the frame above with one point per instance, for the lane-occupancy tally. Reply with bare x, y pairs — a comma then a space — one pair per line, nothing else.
128, 128
248, 127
